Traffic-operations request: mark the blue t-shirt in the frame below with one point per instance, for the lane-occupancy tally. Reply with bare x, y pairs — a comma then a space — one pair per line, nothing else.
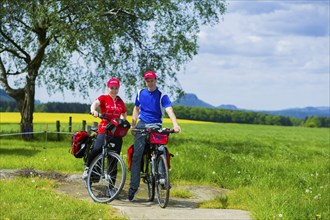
151, 104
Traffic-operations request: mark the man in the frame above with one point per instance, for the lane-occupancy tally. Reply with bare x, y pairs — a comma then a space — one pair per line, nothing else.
148, 106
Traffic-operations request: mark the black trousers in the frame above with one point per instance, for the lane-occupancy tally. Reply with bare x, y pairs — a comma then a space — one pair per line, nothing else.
97, 148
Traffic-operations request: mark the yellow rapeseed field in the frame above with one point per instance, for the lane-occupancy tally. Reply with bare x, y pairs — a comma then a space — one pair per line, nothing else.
41, 117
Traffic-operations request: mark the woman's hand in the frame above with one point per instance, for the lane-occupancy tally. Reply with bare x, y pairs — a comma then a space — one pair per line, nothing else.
95, 114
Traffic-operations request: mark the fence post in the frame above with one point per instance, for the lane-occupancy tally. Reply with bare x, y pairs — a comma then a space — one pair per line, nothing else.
58, 125
84, 125
70, 124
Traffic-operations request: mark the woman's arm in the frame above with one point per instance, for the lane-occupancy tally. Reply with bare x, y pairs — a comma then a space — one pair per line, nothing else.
123, 115
95, 105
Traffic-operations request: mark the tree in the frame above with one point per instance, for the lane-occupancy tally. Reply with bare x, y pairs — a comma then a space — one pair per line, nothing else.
74, 45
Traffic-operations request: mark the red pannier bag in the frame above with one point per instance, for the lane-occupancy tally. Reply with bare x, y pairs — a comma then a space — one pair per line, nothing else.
79, 143
157, 138
130, 156
168, 158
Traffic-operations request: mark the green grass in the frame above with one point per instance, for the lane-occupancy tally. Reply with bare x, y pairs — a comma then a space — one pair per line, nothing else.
219, 202
35, 198
181, 193
271, 171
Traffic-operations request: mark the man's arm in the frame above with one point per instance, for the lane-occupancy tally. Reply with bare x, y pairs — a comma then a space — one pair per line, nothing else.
135, 115
170, 112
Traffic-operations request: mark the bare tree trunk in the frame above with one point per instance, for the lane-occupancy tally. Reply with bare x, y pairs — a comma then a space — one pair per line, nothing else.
26, 109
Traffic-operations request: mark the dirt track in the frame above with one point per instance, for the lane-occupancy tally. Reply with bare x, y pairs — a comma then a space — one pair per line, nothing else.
178, 208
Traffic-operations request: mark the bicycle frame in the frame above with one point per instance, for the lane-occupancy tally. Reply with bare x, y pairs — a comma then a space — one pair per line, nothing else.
107, 172
158, 177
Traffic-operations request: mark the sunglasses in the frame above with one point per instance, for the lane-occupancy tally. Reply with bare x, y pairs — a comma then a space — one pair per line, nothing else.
114, 88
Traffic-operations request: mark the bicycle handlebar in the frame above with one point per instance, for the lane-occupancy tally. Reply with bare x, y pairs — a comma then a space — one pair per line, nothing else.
101, 116
113, 121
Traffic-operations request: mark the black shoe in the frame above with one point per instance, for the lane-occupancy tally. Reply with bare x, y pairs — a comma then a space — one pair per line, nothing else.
131, 194
95, 178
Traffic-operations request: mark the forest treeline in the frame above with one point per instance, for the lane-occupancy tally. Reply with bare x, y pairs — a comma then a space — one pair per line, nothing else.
190, 113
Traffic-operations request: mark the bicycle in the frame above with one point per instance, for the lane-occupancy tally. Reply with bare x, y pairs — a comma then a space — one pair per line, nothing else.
155, 164
107, 172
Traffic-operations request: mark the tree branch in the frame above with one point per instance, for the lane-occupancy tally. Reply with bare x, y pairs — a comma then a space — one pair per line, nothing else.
37, 60
14, 53
4, 83
23, 23
27, 56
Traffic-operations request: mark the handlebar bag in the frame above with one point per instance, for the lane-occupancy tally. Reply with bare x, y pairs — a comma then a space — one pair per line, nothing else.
157, 138
118, 127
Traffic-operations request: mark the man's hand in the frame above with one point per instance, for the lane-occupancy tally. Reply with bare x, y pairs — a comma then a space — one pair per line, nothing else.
133, 132
177, 129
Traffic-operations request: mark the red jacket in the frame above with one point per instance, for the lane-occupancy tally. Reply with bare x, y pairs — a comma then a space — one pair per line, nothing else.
112, 109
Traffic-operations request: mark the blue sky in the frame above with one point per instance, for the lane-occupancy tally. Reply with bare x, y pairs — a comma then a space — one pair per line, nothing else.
263, 55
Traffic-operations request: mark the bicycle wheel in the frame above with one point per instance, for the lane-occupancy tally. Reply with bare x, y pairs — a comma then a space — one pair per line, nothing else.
162, 181
149, 179
106, 180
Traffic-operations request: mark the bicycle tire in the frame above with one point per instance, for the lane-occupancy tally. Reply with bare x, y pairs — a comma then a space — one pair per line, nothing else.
162, 187
149, 179
105, 186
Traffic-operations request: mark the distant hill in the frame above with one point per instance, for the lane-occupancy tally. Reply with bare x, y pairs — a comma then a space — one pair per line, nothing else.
302, 112
191, 100
230, 107
4, 97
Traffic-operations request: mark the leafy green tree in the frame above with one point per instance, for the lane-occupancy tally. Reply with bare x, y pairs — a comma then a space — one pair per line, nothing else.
75, 45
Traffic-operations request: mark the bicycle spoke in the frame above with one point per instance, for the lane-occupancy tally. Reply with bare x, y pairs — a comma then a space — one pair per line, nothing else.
105, 183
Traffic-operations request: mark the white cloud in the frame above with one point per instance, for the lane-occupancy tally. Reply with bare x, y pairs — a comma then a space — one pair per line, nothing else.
264, 55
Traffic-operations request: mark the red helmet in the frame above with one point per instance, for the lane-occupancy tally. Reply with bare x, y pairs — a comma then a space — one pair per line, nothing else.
113, 82
150, 75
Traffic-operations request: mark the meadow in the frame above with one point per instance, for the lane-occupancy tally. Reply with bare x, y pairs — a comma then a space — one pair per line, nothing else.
274, 172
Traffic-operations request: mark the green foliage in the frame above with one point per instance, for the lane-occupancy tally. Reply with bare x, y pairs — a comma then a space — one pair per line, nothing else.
8, 106
77, 45
317, 122
246, 117
63, 107
117, 38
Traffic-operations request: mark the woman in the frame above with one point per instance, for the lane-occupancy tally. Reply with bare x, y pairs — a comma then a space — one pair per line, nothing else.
113, 107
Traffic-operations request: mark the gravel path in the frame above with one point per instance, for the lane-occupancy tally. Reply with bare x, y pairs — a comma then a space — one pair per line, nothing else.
177, 208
